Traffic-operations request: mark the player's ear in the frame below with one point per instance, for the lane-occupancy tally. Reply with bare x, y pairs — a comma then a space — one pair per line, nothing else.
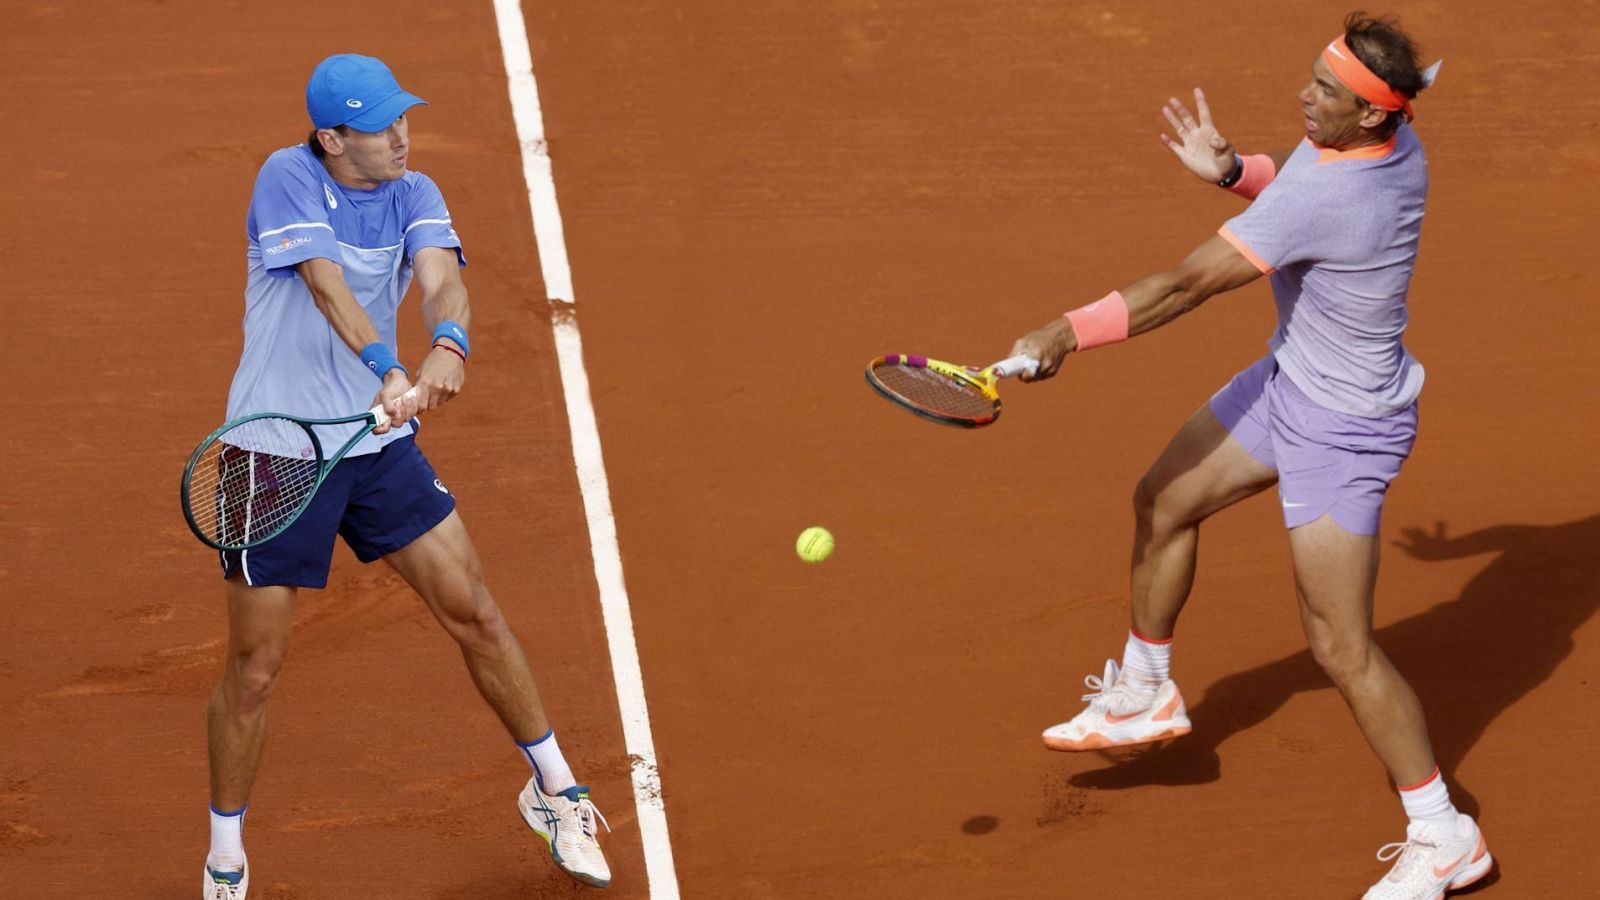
331, 142
1373, 117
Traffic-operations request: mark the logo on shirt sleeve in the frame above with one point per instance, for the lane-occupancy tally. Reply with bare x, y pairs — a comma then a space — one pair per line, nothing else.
328, 192
286, 244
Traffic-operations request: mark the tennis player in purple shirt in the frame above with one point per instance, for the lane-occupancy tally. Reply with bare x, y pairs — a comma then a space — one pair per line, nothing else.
1328, 415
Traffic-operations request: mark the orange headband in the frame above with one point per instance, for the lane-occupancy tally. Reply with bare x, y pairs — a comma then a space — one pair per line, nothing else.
1358, 78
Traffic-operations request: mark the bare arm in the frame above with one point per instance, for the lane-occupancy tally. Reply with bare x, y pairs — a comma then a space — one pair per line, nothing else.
444, 298
1212, 268
325, 279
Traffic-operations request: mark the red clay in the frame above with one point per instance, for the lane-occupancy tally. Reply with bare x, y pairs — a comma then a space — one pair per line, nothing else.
759, 198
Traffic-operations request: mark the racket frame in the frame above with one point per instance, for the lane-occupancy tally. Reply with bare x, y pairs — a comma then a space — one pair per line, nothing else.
372, 417
982, 379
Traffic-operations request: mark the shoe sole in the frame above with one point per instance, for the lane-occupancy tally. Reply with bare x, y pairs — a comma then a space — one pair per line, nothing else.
1096, 741
524, 810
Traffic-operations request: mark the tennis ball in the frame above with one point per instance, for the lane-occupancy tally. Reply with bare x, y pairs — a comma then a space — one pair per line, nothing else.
814, 545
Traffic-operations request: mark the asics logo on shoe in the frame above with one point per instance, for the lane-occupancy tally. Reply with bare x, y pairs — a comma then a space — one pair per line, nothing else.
551, 820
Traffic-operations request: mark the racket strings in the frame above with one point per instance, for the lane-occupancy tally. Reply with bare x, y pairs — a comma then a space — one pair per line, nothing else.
252, 480
936, 392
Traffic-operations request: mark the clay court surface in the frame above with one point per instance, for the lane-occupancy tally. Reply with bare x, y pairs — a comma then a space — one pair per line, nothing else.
759, 197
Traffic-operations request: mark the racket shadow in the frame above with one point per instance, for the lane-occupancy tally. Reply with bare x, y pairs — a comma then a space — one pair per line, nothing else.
1469, 659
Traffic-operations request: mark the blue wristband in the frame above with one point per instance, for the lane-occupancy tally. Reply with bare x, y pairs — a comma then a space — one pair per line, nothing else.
380, 359
454, 332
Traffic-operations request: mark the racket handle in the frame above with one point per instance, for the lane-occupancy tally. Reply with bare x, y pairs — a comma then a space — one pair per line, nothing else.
377, 411
1016, 365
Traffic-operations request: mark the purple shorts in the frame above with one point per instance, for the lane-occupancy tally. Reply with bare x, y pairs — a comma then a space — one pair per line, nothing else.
1328, 463
378, 502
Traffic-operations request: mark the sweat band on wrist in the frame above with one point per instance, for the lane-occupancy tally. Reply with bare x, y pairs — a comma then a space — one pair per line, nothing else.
380, 359
1102, 322
454, 332
1254, 174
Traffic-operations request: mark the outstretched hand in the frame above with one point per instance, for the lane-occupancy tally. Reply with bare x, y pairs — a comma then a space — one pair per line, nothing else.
1202, 150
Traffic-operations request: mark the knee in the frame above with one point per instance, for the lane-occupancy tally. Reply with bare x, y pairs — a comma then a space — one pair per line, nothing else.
1155, 511
1344, 659
1144, 499
251, 677
479, 625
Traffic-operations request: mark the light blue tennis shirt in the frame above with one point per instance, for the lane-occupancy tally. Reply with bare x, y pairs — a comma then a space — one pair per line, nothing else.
293, 362
1338, 233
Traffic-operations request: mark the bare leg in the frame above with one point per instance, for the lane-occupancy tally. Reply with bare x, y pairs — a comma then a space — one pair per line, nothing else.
1335, 572
259, 624
1202, 471
443, 567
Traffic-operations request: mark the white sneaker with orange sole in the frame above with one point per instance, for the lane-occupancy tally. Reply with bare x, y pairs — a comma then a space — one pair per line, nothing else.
1119, 715
1430, 864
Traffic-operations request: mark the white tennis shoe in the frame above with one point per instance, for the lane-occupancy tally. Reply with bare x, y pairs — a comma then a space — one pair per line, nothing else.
1119, 715
225, 885
1430, 864
566, 821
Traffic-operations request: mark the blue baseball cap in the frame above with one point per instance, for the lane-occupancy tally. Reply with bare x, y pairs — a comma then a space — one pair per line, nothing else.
358, 91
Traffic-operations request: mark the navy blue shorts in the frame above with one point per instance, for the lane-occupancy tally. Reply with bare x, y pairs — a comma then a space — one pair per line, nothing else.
378, 502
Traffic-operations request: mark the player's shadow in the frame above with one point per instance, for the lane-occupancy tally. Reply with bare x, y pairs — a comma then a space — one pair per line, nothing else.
1469, 659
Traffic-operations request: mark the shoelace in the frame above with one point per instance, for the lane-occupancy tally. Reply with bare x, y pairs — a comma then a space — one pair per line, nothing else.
1105, 689
1404, 850
587, 813
1100, 686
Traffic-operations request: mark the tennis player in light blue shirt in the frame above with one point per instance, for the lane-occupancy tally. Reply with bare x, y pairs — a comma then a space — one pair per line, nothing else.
294, 360
338, 230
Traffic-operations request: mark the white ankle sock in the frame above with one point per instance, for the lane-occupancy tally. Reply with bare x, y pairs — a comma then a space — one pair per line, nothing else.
1146, 663
227, 840
549, 766
1429, 801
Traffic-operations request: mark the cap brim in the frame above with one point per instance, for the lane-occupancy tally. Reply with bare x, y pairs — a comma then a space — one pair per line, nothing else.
382, 114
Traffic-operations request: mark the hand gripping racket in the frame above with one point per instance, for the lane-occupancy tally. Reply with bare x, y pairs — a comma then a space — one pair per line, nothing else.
945, 392
253, 477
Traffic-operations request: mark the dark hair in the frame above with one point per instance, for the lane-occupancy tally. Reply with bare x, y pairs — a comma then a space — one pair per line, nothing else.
316, 145
1390, 53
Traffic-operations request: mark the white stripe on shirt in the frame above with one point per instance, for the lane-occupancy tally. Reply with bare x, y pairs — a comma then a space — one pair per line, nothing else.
295, 225
426, 222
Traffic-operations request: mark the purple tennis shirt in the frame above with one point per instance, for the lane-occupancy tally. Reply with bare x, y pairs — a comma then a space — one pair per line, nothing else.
1338, 232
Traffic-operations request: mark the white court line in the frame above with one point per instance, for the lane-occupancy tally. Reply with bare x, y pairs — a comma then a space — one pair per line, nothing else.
659, 869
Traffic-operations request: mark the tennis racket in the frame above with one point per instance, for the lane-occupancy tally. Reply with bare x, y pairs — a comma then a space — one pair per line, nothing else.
945, 392
253, 477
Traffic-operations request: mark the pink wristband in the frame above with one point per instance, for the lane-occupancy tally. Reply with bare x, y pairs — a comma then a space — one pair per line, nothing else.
1102, 322
1258, 173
